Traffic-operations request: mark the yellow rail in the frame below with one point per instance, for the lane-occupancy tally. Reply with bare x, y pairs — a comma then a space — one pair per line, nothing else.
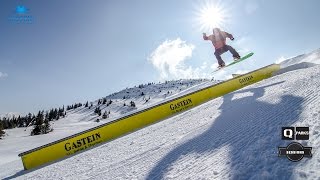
106, 132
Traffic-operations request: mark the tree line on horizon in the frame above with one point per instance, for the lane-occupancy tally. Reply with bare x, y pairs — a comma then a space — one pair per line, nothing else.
41, 121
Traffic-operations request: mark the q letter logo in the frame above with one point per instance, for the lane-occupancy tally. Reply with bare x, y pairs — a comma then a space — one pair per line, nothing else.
288, 133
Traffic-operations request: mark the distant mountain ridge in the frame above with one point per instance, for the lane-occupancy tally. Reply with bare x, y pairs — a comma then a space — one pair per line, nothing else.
10, 115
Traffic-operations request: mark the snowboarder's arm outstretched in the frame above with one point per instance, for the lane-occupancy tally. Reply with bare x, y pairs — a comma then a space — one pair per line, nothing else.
229, 36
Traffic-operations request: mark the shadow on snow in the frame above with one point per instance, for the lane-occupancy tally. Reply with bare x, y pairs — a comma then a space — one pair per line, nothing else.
251, 129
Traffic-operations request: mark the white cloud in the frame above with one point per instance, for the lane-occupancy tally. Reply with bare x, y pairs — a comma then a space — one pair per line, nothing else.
3, 75
169, 59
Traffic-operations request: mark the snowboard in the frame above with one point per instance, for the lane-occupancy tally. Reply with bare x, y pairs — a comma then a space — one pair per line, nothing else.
235, 62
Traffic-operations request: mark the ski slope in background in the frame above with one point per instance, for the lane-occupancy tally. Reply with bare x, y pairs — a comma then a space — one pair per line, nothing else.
82, 118
235, 136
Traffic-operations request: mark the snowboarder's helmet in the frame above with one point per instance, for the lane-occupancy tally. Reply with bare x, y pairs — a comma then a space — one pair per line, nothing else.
216, 30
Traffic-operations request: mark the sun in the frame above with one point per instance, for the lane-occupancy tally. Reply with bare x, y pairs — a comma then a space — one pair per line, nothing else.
210, 15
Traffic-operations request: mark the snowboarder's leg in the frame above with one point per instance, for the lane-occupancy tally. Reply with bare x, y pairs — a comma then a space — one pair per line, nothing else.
218, 53
234, 53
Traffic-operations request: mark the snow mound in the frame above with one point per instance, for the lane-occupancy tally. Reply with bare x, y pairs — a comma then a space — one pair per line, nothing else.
294, 67
313, 57
300, 62
232, 137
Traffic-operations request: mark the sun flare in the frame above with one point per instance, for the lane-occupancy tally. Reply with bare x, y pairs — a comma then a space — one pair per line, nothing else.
211, 15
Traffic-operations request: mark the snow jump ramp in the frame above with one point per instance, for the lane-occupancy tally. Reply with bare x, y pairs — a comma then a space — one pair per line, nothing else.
106, 132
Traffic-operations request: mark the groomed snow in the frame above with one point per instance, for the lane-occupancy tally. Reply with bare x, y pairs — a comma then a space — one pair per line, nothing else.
233, 137
18, 140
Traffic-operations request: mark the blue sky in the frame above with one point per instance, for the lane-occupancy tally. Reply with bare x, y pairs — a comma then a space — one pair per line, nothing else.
83, 50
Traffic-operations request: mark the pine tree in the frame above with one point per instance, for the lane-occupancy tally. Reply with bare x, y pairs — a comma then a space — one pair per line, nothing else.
41, 125
47, 115
4, 123
98, 111
46, 127
104, 101
21, 122
1, 129
132, 104
109, 102
14, 122
61, 111
38, 124
51, 114
87, 104
105, 115
56, 114
29, 118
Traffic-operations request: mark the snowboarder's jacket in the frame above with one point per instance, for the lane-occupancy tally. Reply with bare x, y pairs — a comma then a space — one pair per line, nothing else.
218, 38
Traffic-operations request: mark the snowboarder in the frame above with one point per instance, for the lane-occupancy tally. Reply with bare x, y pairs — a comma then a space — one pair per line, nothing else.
218, 39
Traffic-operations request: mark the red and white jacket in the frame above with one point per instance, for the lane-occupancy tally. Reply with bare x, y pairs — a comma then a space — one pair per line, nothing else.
218, 39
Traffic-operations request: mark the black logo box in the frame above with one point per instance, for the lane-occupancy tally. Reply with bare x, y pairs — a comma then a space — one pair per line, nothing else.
292, 133
295, 151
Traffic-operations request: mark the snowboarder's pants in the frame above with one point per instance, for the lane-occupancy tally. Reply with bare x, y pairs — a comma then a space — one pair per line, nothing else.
224, 49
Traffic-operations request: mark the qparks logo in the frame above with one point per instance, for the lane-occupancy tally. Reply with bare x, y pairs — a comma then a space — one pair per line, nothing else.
21, 15
298, 133
295, 151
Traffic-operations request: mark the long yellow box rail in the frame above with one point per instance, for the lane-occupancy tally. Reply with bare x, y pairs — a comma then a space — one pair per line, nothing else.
106, 132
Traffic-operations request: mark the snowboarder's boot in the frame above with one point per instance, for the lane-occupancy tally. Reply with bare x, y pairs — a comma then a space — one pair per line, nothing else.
222, 65
236, 58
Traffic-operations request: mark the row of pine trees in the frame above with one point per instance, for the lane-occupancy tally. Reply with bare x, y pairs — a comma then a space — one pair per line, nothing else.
41, 121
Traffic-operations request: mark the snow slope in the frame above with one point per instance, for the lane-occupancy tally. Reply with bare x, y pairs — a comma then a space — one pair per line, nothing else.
312, 57
232, 137
18, 140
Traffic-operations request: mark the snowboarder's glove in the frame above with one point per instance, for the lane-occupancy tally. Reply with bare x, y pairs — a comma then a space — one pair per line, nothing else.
232, 39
